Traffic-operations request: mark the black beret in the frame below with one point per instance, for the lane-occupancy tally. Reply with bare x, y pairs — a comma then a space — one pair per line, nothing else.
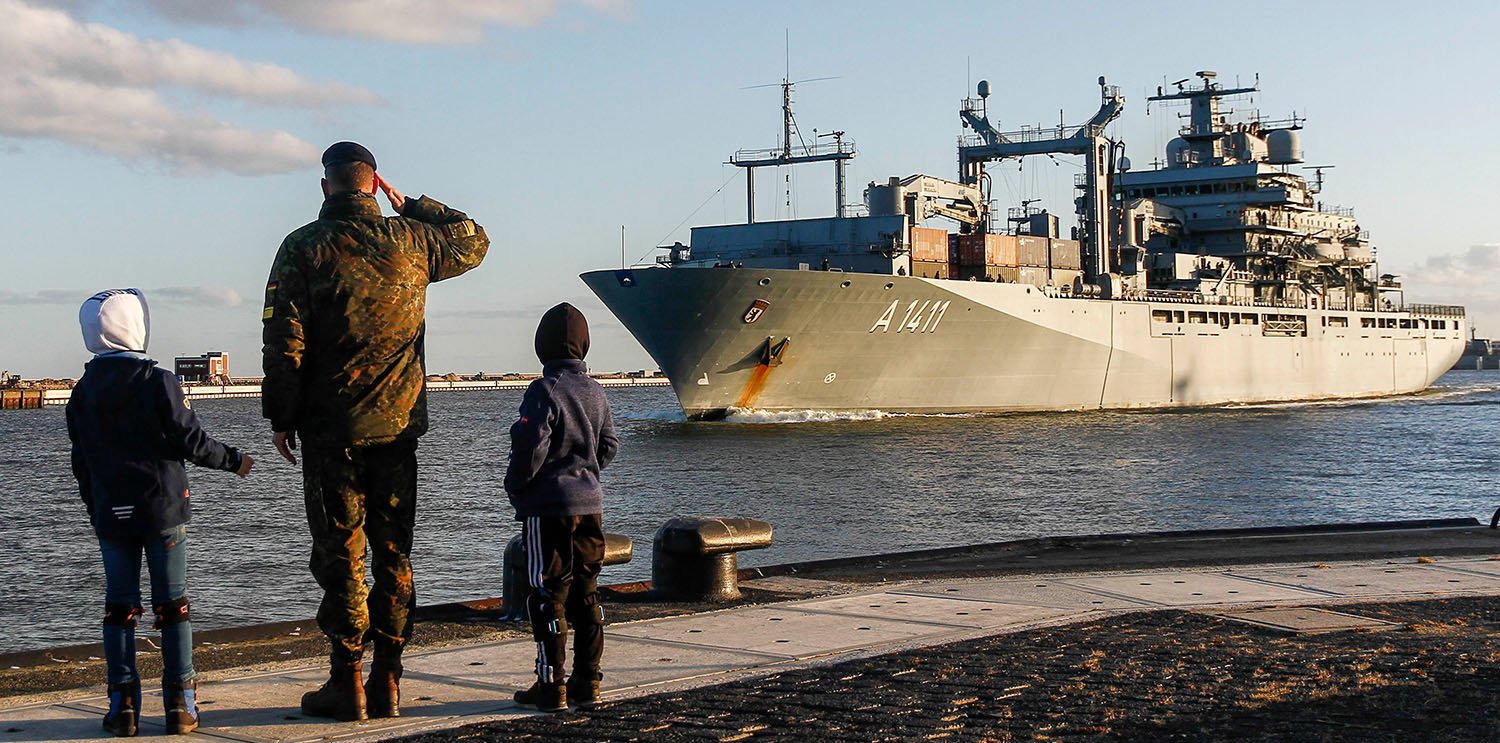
347, 152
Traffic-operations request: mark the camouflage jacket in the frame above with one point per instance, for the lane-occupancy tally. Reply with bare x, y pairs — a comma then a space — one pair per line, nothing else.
343, 322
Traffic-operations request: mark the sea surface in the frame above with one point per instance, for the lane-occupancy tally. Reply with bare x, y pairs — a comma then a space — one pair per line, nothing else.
832, 485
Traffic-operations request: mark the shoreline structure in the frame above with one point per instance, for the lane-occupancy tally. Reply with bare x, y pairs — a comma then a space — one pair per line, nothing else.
59, 396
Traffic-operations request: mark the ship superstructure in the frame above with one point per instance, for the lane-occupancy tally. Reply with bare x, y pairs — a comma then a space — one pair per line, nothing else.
1214, 277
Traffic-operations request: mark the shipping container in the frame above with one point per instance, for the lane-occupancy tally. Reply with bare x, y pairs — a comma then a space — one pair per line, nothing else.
929, 244
1065, 254
1002, 250
986, 250
1034, 275
1031, 251
1007, 274
930, 269
1065, 276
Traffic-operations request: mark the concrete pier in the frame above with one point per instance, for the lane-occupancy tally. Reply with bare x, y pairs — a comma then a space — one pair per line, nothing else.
811, 632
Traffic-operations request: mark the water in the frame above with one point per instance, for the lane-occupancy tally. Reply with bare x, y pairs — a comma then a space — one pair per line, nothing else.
832, 485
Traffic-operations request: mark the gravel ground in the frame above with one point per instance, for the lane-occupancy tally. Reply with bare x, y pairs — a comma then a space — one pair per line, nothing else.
1154, 676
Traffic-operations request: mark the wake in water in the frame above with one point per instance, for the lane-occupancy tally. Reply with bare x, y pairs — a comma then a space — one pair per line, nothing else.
753, 415
1428, 396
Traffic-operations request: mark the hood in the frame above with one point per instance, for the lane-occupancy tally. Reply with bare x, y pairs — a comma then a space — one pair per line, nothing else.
562, 334
115, 320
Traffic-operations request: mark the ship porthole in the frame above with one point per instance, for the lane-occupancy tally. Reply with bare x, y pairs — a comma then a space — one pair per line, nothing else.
844, 285
831, 376
765, 282
889, 285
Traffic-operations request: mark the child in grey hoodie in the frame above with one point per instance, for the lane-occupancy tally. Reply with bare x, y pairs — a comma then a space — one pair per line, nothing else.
131, 428
564, 436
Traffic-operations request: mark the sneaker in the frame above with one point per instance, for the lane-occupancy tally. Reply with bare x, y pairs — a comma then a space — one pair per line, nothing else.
544, 697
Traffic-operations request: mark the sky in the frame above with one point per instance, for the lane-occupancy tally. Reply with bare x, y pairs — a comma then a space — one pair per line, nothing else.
170, 145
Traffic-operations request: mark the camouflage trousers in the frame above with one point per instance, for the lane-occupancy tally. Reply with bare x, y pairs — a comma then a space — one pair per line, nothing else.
358, 495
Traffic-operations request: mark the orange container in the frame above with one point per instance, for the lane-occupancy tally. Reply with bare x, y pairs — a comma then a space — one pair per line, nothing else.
928, 244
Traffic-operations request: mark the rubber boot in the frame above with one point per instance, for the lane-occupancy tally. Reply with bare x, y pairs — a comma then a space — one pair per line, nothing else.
124, 716
583, 689
342, 697
383, 689
181, 704
544, 697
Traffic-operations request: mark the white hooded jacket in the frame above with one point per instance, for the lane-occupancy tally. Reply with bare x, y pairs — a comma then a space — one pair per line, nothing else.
114, 321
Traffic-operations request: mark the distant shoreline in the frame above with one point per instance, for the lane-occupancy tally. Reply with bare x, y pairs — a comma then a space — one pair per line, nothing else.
250, 387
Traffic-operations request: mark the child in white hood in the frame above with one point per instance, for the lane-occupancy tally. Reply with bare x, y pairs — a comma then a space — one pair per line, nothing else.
131, 429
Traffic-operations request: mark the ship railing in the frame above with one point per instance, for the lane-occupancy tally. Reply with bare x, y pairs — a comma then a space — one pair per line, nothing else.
1440, 310
1035, 134
817, 149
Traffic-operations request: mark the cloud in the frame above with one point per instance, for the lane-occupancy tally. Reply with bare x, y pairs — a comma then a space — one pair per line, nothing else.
1468, 277
44, 296
401, 21
101, 88
209, 296
202, 296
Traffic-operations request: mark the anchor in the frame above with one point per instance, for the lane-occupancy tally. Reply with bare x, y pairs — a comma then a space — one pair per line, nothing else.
770, 353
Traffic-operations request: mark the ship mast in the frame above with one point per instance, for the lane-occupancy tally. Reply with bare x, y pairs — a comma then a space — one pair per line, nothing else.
838, 151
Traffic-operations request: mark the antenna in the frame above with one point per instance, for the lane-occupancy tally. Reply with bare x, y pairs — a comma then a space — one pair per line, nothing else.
622, 246
1317, 186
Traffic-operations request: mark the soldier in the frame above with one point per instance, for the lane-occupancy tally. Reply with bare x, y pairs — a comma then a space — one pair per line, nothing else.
343, 357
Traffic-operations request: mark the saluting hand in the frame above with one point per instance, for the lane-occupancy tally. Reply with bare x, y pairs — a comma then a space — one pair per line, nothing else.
398, 202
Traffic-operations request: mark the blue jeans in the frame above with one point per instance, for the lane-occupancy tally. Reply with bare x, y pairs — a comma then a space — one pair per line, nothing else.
166, 558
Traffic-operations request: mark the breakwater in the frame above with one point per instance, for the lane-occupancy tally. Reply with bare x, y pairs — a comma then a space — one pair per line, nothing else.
42, 398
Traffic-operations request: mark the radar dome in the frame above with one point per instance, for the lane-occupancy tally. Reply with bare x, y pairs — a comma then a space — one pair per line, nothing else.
1177, 151
1285, 147
1124, 164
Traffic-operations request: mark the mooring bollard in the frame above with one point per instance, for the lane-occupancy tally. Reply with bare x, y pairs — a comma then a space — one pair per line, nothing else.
514, 587
693, 557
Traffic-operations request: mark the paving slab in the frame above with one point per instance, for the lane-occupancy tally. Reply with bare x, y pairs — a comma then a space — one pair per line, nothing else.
1487, 566
1305, 621
629, 662
780, 631
1030, 591
1185, 588
1373, 580
942, 611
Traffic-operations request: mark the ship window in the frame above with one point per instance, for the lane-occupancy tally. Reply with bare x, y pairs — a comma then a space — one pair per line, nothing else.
1148, 192
1224, 319
1367, 322
1234, 187
1406, 323
1177, 190
1190, 189
1439, 324
1196, 317
1132, 193
1219, 188
1161, 315
1252, 319
1177, 315
1338, 321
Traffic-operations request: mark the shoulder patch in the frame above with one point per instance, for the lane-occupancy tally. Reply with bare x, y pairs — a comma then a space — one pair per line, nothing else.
458, 230
266, 315
186, 403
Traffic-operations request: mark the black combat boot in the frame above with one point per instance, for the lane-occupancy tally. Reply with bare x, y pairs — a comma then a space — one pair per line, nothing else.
342, 697
383, 690
124, 714
583, 689
181, 704
544, 697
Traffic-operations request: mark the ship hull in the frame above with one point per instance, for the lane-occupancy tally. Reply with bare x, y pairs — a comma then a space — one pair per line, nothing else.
903, 344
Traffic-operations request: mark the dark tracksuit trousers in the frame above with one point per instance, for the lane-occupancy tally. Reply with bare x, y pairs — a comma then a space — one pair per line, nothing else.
563, 558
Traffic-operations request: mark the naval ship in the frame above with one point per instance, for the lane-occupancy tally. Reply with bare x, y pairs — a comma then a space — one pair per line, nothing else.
1213, 277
